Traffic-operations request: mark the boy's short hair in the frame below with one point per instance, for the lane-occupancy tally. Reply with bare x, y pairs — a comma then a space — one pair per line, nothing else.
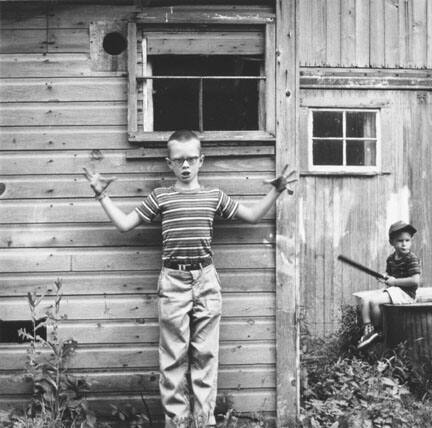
399, 227
183, 135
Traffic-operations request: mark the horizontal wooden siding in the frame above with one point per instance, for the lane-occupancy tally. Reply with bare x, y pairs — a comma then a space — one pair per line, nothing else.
57, 116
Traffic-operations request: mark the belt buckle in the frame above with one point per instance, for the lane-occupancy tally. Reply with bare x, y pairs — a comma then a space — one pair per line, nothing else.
182, 266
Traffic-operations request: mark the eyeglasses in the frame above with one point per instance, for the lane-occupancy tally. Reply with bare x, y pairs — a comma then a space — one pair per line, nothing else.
191, 161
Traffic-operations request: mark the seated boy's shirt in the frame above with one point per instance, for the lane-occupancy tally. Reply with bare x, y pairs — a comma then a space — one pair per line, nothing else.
187, 220
404, 267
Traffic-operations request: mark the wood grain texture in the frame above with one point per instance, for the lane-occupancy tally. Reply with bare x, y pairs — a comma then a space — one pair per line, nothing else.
333, 33
73, 210
26, 236
210, 43
240, 328
71, 114
34, 187
125, 283
287, 256
122, 259
47, 65
126, 307
114, 357
135, 381
365, 33
151, 161
204, 15
348, 32
393, 52
63, 89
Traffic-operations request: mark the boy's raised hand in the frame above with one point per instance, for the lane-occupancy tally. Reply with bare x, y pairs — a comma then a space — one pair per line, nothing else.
98, 182
281, 182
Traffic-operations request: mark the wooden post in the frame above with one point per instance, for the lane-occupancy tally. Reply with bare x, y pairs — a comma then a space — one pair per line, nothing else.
132, 83
287, 247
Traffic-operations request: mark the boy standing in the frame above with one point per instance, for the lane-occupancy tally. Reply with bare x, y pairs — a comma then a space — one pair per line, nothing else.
402, 280
189, 290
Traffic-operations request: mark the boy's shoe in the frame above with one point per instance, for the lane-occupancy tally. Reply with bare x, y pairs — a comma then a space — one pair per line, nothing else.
370, 336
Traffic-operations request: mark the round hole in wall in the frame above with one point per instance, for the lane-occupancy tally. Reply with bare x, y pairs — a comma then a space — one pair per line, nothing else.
114, 43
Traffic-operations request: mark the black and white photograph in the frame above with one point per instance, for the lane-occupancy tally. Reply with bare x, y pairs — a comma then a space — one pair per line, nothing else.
215, 213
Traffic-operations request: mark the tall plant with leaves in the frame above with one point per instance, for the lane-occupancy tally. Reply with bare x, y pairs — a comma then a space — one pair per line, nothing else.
58, 399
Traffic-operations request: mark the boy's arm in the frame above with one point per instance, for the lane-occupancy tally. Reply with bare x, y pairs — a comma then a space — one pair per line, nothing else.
256, 212
123, 222
409, 281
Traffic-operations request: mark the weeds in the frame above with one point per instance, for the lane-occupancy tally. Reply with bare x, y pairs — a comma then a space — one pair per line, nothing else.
342, 387
58, 399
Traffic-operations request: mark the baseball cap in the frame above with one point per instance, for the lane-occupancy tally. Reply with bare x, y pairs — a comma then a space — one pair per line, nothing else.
401, 226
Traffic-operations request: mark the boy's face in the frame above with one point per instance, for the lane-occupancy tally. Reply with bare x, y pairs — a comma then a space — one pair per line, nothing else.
185, 159
402, 243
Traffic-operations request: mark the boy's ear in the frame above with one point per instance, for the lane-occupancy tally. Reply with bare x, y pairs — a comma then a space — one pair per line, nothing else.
169, 163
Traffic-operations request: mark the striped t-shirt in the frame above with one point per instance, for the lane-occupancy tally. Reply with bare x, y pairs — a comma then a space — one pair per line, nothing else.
187, 220
406, 266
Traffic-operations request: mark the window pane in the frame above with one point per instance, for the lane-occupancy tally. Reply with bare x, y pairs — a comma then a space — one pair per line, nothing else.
227, 104
360, 124
361, 153
175, 104
327, 152
327, 124
230, 105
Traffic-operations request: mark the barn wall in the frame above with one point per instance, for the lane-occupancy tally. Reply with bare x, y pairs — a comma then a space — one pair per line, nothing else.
57, 116
350, 215
365, 33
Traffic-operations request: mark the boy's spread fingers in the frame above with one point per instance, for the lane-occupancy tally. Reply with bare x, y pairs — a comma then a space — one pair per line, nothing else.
291, 173
87, 173
284, 169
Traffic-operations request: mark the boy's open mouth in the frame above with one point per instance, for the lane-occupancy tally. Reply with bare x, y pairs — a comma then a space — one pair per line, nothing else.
185, 174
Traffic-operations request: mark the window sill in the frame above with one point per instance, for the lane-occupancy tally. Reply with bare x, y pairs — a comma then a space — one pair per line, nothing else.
228, 136
344, 173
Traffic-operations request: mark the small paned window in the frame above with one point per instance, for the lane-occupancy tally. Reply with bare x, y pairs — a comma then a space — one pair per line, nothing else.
344, 140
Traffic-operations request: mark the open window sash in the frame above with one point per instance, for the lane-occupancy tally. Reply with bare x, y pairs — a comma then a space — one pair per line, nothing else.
256, 40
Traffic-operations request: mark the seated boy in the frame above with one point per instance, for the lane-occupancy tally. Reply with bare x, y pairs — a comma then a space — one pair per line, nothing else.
189, 290
402, 280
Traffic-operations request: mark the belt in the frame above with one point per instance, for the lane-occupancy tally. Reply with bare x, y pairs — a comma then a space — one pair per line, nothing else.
172, 264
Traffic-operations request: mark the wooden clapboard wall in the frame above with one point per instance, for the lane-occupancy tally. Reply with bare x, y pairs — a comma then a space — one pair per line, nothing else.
58, 115
350, 215
365, 33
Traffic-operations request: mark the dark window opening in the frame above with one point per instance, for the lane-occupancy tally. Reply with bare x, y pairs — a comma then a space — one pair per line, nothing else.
327, 124
114, 43
9, 330
345, 138
327, 152
206, 104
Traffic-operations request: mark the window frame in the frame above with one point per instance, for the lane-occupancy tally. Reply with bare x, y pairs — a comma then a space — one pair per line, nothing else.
137, 132
348, 169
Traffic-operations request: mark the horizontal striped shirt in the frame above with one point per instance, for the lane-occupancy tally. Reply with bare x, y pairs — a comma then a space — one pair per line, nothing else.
187, 220
406, 266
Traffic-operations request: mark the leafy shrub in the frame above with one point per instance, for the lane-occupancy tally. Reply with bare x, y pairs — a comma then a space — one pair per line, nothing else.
342, 387
58, 399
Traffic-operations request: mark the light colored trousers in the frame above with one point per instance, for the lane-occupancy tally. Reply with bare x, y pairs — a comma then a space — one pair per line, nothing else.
190, 306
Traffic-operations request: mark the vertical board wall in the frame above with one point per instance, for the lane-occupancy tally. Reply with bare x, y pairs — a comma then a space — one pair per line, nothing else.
350, 215
57, 116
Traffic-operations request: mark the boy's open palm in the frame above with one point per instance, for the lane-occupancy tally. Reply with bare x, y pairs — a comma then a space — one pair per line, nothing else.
282, 181
97, 181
